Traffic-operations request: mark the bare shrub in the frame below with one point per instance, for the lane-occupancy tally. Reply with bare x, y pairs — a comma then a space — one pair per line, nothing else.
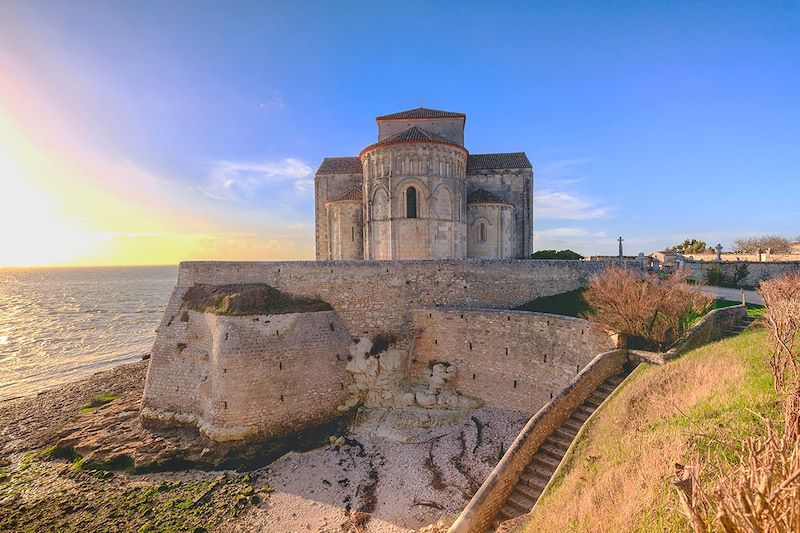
774, 243
782, 319
641, 305
762, 495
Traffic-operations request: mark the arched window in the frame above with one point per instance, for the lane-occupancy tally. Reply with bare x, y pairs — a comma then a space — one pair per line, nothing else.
411, 202
481, 232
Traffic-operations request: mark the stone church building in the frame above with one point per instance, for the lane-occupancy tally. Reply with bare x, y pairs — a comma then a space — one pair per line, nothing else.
417, 193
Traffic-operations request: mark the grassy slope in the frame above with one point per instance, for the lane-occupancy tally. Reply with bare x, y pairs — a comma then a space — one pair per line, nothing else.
567, 303
572, 304
618, 476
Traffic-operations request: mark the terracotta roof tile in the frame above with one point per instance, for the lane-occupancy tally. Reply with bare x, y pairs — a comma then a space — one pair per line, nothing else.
353, 195
340, 165
481, 196
415, 133
421, 112
499, 161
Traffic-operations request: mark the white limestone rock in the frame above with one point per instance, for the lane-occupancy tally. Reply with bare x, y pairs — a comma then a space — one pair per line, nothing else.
425, 399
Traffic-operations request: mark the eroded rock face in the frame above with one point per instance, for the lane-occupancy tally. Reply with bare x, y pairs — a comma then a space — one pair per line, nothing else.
382, 380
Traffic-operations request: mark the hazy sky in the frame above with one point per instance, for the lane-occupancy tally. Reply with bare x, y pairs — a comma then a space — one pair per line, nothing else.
150, 132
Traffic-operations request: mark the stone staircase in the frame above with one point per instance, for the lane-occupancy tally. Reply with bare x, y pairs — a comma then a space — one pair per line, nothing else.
740, 326
547, 458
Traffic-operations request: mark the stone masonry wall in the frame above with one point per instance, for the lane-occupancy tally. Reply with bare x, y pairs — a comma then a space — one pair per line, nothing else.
236, 376
756, 272
374, 297
220, 372
511, 359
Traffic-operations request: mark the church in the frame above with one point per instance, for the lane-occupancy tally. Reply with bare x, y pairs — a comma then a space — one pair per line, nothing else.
417, 193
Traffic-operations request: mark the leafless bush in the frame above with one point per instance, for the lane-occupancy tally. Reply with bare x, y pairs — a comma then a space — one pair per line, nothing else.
762, 495
782, 319
641, 305
774, 243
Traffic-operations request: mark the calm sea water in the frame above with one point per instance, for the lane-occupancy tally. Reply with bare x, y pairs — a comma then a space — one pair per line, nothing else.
61, 324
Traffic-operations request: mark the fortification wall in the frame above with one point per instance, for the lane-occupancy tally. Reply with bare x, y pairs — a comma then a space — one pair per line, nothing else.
236, 376
756, 271
374, 297
511, 359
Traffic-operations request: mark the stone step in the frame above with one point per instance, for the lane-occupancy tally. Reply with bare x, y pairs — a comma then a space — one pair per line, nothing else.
555, 451
545, 459
540, 467
530, 492
593, 401
520, 502
572, 424
557, 440
534, 479
564, 433
583, 411
605, 388
507, 512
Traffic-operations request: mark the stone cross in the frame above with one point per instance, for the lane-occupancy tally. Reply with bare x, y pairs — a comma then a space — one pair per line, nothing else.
719, 252
620, 247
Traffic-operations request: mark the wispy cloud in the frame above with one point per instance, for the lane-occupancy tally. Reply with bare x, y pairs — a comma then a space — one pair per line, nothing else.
561, 168
274, 103
568, 232
557, 200
550, 204
242, 180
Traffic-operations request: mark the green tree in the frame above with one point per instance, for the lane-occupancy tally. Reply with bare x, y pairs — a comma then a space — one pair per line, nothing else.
553, 254
690, 246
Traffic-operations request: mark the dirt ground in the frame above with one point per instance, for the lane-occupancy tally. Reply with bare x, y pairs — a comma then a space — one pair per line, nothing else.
367, 483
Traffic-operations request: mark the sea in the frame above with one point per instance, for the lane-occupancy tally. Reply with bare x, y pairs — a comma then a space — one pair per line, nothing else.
59, 325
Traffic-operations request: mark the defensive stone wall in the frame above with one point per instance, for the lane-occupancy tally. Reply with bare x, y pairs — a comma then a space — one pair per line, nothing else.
511, 359
237, 376
375, 297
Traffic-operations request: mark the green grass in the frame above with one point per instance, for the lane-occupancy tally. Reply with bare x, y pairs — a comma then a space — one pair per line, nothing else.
694, 410
754, 310
567, 304
98, 401
89, 501
248, 299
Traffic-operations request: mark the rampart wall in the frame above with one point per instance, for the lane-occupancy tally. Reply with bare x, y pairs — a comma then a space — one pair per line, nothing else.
374, 297
511, 359
236, 376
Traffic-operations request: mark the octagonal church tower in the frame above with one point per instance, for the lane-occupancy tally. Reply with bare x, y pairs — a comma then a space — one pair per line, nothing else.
417, 193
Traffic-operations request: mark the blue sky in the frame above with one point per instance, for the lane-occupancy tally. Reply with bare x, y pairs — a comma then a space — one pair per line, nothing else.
657, 121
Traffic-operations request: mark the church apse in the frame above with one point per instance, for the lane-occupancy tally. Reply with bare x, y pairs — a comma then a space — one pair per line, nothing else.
407, 196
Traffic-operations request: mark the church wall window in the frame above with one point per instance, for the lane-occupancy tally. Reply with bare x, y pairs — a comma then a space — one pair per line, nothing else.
411, 202
481, 232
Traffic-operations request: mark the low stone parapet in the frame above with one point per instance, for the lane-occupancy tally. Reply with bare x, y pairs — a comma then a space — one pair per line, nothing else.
710, 328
